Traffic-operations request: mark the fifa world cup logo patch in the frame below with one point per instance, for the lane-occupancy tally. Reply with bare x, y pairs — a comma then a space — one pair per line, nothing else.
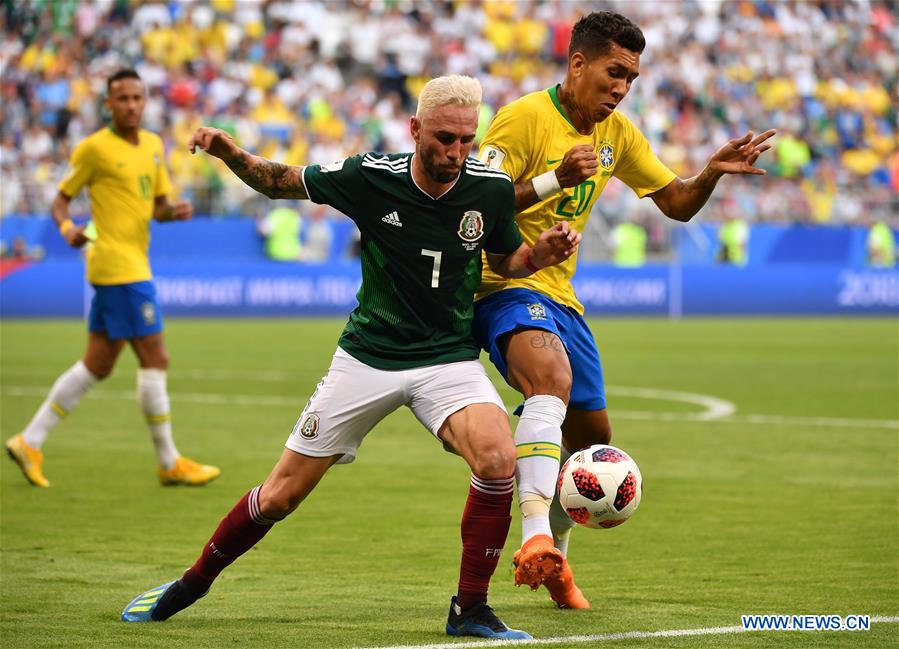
148, 313
537, 311
471, 227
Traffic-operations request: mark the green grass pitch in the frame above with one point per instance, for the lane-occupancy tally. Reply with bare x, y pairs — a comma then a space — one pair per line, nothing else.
786, 505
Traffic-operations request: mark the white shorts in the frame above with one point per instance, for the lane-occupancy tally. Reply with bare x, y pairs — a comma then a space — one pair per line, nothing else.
353, 397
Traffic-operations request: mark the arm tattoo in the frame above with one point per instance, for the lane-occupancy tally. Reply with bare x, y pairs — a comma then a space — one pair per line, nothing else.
546, 340
273, 179
525, 196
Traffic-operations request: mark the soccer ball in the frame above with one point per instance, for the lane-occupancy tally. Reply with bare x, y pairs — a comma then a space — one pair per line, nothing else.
600, 486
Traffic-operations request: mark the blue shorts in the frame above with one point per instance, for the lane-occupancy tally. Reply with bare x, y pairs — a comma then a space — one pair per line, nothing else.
515, 309
125, 311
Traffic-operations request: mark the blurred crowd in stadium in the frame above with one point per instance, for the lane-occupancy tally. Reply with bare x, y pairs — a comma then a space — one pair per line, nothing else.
311, 81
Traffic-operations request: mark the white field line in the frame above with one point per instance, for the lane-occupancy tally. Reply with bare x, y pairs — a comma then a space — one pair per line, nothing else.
603, 637
714, 408
710, 415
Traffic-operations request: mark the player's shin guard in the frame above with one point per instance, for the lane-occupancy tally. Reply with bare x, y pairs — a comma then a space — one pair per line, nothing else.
485, 525
559, 521
65, 394
240, 530
538, 438
153, 397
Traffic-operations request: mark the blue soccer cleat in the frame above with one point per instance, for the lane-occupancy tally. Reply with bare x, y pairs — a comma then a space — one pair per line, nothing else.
159, 603
480, 621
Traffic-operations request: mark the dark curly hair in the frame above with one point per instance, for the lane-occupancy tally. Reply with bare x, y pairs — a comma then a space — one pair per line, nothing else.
594, 34
126, 73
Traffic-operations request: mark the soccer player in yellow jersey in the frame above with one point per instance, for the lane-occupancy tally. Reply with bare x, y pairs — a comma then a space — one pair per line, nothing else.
561, 146
123, 166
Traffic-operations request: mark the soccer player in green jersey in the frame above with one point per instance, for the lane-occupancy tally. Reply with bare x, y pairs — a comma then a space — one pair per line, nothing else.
424, 217
561, 146
123, 166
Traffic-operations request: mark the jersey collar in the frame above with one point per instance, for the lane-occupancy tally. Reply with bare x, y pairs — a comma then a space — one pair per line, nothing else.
112, 130
554, 97
448, 189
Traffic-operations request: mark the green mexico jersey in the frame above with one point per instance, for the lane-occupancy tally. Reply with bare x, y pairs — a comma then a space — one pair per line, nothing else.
421, 256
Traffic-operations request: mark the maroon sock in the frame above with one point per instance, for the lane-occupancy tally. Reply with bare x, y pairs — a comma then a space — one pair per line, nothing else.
485, 524
239, 531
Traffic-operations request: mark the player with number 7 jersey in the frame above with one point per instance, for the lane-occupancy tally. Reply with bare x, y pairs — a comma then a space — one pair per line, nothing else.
421, 255
425, 218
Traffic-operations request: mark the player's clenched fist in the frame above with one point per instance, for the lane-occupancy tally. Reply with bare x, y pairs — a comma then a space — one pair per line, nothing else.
213, 141
579, 164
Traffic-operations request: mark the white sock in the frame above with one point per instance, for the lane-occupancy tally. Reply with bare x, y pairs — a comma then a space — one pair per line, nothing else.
65, 394
538, 438
559, 521
153, 398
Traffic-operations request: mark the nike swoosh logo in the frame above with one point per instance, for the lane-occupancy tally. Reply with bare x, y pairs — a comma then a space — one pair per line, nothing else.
552, 162
539, 449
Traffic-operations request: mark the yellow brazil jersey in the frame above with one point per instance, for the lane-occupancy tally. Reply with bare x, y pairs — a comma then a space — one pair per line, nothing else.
529, 137
123, 181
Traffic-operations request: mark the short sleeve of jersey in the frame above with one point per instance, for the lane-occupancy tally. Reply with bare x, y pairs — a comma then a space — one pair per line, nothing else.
163, 182
508, 143
81, 168
639, 168
339, 184
505, 237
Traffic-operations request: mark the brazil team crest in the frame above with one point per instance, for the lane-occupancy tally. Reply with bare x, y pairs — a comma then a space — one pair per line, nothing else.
537, 311
606, 155
148, 313
471, 227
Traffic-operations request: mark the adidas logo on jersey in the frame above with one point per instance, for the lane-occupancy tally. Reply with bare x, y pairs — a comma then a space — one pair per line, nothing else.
393, 219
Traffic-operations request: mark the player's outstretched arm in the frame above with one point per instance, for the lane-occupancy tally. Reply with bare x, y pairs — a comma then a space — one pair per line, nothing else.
273, 179
682, 199
552, 247
578, 164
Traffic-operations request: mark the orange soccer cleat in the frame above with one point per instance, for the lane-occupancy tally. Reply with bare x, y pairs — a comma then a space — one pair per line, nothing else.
29, 460
564, 591
537, 561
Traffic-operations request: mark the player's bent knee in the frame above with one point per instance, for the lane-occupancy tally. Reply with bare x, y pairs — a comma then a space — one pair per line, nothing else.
494, 463
277, 501
554, 380
99, 370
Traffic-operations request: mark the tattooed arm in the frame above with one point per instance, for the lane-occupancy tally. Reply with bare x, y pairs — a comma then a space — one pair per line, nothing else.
681, 199
273, 179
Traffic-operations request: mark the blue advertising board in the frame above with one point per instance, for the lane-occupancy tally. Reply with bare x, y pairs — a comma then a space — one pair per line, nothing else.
218, 288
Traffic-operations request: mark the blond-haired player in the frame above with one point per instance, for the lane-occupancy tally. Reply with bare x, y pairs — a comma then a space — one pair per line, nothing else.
424, 218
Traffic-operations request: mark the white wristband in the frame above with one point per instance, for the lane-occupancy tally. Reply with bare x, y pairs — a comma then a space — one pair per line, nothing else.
546, 184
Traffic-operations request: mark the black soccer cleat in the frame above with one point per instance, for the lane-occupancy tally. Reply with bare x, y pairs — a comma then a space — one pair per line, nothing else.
480, 621
159, 603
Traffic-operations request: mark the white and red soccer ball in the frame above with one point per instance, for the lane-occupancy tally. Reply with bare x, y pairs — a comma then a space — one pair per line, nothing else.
600, 486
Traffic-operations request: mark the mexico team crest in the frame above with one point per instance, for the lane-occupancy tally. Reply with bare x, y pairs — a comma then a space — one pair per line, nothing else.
309, 427
537, 311
606, 155
471, 227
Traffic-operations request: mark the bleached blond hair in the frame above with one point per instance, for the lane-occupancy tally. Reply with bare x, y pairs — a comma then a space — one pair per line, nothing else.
453, 89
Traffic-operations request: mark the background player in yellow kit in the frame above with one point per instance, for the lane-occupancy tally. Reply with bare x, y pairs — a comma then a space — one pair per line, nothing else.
561, 146
123, 166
